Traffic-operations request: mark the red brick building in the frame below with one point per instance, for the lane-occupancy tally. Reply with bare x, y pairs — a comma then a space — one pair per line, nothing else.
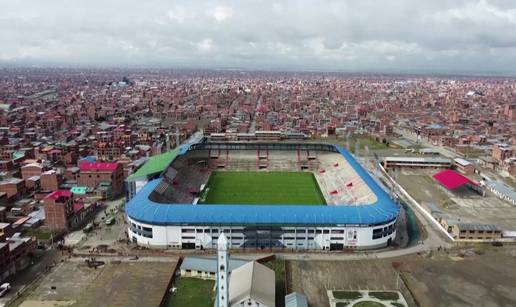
3, 214
30, 170
15, 254
109, 150
4, 260
93, 174
6, 230
58, 207
502, 152
510, 111
13, 187
50, 180
6, 165
71, 173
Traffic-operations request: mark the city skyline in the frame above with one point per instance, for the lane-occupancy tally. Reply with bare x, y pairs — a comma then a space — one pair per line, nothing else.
280, 153
462, 37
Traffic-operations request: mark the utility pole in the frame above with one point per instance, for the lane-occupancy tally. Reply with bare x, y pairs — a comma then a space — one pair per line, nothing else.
397, 280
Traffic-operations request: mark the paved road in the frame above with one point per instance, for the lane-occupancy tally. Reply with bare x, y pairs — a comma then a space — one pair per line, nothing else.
44, 260
413, 137
102, 234
108, 259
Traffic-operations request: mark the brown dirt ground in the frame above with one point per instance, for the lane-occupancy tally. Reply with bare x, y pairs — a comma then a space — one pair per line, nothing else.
466, 276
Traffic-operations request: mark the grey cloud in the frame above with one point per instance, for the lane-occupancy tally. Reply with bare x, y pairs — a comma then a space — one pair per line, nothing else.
296, 34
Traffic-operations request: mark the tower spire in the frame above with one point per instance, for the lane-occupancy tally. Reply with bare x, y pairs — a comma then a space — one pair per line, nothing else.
222, 271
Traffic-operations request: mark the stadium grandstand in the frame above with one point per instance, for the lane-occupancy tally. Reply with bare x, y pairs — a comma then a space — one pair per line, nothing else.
338, 205
416, 162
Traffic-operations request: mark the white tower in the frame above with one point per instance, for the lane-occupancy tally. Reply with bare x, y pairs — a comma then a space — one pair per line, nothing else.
222, 272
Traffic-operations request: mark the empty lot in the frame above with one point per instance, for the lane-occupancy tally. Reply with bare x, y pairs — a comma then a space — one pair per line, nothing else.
114, 284
480, 275
313, 278
465, 204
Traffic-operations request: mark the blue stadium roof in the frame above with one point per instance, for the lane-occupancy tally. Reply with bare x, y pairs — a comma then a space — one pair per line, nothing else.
142, 209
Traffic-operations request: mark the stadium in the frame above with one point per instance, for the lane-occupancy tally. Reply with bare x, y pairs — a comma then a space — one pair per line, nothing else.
261, 195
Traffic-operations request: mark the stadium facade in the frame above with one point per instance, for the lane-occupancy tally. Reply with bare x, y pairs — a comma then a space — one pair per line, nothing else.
156, 221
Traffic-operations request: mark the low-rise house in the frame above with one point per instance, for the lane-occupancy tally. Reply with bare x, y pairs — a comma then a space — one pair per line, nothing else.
463, 166
206, 268
107, 176
502, 190
13, 187
472, 231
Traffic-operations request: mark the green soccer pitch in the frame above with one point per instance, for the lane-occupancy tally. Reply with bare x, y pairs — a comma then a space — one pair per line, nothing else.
270, 188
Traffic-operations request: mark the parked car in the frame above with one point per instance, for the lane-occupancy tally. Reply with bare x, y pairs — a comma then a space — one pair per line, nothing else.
4, 288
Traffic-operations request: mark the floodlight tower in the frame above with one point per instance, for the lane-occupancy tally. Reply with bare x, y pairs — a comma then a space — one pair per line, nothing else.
222, 272
178, 140
347, 141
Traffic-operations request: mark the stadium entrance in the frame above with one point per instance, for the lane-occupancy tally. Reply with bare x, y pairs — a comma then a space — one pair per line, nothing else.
261, 238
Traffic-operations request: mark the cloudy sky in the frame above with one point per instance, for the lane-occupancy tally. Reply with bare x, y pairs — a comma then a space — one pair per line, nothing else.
365, 35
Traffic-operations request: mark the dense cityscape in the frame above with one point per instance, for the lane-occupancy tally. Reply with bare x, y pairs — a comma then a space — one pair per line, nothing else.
328, 153
75, 141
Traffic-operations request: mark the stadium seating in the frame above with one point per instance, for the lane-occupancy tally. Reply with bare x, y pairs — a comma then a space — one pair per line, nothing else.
339, 183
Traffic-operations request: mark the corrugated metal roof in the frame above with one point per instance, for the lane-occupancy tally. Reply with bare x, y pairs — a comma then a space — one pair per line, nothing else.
205, 264
79, 190
417, 159
502, 188
252, 280
451, 179
296, 300
384, 209
428, 150
158, 163
462, 162
476, 227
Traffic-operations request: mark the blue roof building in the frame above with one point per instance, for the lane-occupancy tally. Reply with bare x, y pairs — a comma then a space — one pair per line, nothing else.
142, 209
148, 218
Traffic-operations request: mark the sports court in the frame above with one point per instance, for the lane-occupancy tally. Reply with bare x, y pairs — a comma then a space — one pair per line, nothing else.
275, 188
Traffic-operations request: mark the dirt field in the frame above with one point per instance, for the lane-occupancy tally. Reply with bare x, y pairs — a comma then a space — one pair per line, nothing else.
315, 277
421, 186
115, 284
476, 276
475, 280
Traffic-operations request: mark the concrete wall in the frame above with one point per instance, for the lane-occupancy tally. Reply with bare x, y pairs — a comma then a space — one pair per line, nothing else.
156, 236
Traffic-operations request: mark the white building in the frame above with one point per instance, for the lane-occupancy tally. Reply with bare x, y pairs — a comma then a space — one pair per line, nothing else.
502, 190
306, 237
252, 285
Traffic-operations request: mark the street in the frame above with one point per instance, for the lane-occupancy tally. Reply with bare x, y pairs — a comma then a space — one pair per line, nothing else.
413, 137
43, 262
